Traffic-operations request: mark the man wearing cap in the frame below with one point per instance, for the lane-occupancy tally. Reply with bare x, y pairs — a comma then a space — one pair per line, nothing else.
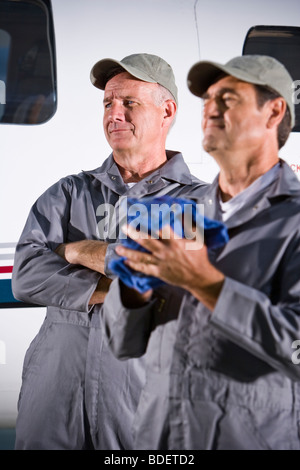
226, 368
75, 394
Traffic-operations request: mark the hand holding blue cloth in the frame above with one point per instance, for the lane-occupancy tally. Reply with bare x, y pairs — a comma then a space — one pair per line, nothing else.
149, 215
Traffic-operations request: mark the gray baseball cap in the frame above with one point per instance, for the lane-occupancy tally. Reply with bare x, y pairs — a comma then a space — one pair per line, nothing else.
147, 67
256, 69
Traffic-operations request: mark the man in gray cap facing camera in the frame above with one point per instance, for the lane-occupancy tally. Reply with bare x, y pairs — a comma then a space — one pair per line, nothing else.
75, 394
233, 359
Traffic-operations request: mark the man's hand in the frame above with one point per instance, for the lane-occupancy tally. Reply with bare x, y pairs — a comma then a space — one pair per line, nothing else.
100, 291
90, 254
177, 263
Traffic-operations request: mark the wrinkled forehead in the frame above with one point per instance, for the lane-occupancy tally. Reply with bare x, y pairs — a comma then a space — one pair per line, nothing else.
125, 84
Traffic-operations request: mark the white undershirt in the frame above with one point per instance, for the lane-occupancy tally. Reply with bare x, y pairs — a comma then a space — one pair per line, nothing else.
130, 185
234, 204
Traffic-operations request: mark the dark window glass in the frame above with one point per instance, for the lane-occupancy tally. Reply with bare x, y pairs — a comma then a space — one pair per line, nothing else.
283, 43
5, 41
27, 62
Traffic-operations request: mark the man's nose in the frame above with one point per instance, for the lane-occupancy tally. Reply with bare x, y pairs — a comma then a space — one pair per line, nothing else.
212, 108
116, 112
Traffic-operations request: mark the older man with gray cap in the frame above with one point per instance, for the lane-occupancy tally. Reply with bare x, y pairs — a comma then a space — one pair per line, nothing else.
233, 373
75, 394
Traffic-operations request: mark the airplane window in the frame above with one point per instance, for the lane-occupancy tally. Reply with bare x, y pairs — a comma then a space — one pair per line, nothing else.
4, 53
27, 62
283, 43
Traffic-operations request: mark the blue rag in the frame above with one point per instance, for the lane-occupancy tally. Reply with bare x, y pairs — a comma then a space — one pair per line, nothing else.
149, 215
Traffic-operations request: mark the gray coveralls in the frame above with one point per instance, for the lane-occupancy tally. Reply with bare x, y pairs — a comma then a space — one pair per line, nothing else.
226, 379
75, 394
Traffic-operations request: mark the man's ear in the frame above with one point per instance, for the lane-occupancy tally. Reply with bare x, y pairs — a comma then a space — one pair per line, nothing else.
277, 109
170, 108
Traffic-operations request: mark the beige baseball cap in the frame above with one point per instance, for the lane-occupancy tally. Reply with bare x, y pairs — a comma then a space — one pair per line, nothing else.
256, 69
147, 67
